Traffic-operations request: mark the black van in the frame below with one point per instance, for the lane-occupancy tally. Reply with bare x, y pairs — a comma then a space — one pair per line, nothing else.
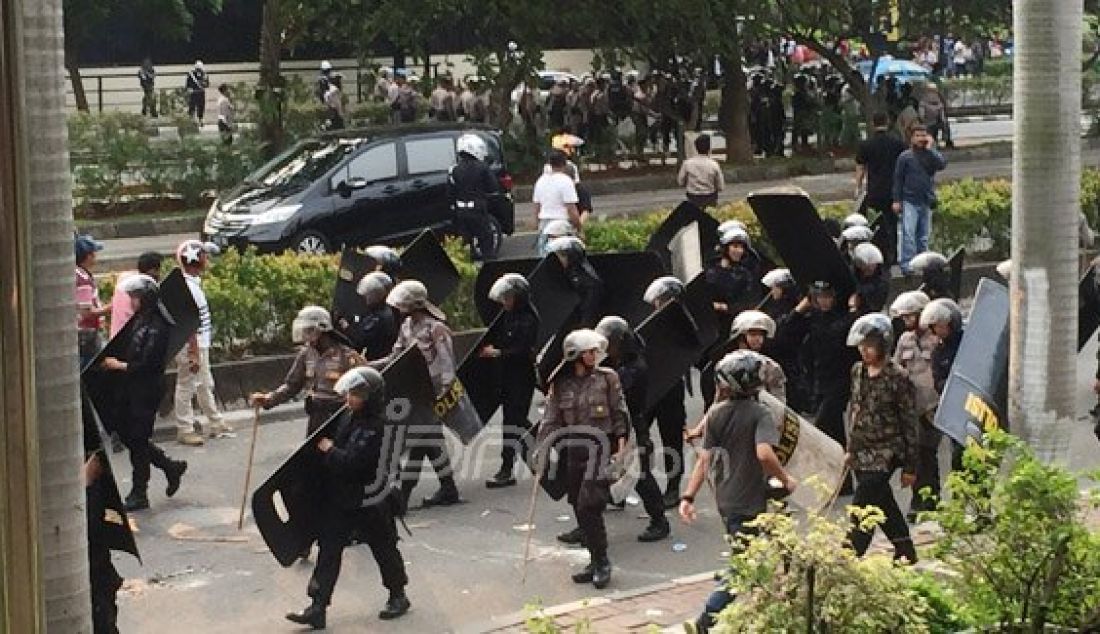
354, 188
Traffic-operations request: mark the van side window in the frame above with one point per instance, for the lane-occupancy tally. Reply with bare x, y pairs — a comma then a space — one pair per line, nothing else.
376, 164
428, 156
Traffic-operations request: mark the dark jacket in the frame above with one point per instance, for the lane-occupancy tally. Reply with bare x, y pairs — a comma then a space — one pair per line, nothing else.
584, 279
145, 360
374, 332
826, 336
872, 292
943, 357
515, 337
633, 374
470, 180
737, 286
354, 470
914, 176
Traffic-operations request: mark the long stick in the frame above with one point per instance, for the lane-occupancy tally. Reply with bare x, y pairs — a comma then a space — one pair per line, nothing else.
248, 469
531, 519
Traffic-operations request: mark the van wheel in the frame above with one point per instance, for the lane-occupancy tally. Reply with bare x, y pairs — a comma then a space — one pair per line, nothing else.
312, 243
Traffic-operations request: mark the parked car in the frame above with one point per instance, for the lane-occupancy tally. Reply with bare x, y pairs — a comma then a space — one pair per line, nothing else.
905, 71
354, 188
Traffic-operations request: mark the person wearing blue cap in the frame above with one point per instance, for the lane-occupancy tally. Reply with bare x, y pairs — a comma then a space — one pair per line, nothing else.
90, 311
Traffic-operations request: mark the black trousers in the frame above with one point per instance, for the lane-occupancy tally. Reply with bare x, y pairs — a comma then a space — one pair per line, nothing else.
381, 536
671, 419
648, 489
425, 443
196, 104
475, 227
148, 102
829, 414
702, 201
516, 402
144, 453
589, 498
886, 237
105, 583
928, 468
873, 489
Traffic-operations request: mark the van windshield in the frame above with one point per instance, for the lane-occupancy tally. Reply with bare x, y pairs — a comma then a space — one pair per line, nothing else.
303, 164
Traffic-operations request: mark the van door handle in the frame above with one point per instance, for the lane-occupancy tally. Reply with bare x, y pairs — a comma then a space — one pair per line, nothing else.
390, 189
419, 184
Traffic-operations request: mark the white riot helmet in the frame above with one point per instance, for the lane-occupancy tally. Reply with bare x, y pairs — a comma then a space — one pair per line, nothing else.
1004, 269
909, 303
928, 261
569, 247
866, 254
190, 252
855, 220
615, 329
362, 381
663, 289
374, 287
386, 258
735, 235
311, 320
509, 284
326, 66
559, 229
198, 64
857, 234
580, 341
741, 372
778, 277
138, 284
752, 320
732, 224
871, 326
941, 311
408, 296
473, 145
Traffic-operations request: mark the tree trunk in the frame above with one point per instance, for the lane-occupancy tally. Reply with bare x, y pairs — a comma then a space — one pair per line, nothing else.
733, 112
78, 84
1046, 173
44, 222
269, 92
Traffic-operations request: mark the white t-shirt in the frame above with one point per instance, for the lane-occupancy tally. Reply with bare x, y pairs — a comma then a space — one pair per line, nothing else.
206, 325
553, 192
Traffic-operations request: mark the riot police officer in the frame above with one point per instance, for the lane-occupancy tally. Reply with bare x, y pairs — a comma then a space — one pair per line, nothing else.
582, 277
944, 318
935, 273
734, 277
669, 411
753, 330
323, 358
512, 346
872, 287
355, 476
586, 405
423, 326
373, 332
143, 364
386, 260
626, 355
469, 185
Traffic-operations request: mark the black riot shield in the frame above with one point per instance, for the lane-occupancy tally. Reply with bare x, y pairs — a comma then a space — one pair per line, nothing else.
796, 231
553, 479
426, 260
287, 506
103, 386
1088, 307
955, 265
112, 526
684, 214
976, 394
553, 300
625, 277
673, 345
346, 302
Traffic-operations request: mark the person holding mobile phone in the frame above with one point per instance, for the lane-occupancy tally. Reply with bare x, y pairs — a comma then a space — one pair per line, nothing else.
915, 193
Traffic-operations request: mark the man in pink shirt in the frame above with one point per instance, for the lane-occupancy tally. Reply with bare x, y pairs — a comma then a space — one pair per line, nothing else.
90, 310
121, 307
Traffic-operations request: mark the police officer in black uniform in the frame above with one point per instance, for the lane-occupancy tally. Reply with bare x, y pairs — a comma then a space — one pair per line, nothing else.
512, 345
386, 260
821, 324
358, 499
373, 332
872, 285
626, 355
582, 277
143, 364
935, 272
469, 185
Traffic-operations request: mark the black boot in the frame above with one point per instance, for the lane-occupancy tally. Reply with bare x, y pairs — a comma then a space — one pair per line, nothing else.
601, 574
904, 549
137, 501
574, 537
503, 478
657, 530
445, 496
174, 472
585, 575
313, 616
397, 605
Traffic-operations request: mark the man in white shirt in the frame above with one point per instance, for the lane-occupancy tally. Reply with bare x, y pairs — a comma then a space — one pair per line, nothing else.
555, 197
701, 176
193, 376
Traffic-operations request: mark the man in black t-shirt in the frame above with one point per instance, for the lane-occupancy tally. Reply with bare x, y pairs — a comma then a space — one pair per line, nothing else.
875, 163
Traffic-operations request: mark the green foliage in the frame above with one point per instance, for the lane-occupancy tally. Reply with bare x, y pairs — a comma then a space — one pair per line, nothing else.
459, 307
536, 621
969, 209
800, 578
1015, 532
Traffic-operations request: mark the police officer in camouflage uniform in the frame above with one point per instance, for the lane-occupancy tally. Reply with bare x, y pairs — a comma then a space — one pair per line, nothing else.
883, 434
585, 404
626, 355
424, 327
914, 355
321, 361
